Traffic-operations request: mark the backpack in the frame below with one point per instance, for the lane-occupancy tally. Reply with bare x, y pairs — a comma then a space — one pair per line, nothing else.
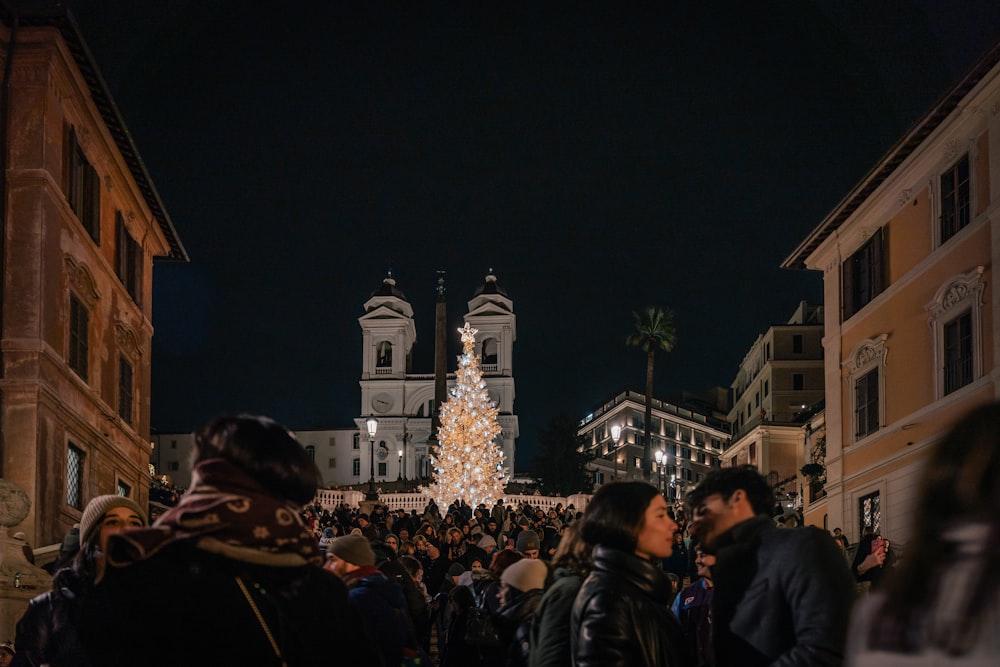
479, 628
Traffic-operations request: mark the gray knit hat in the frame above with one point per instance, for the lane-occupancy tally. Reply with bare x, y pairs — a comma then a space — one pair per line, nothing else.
353, 549
527, 540
101, 505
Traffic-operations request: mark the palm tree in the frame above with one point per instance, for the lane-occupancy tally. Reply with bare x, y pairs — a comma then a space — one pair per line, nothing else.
654, 328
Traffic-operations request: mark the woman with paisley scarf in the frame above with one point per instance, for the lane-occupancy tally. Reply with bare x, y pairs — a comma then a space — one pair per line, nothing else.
231, 575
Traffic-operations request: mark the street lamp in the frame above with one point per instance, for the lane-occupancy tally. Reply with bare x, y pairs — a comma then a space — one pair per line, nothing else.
399, 477
372, 425
661, 459
616, 436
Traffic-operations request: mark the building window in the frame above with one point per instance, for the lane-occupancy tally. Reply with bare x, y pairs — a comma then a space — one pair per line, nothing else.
686, 453
865, 274
381, 469
869, 513
124, 490
955, 198
83, 187
767, 387
311, 452
866, 380
670, 429
332, 463
797, 343
74, 476
958, 352
173, 466
383, 358
128, 260
356, 441
356, 467
798, 381
756, 399
125, 390
955, 314
79, 323
699, 438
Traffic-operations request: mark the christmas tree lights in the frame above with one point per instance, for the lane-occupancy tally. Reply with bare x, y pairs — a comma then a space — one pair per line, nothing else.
467, 462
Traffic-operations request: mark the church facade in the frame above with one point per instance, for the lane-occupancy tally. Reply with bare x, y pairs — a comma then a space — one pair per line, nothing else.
402, 402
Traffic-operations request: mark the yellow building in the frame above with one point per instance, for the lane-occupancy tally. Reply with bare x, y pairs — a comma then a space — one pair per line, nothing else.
911, 307
81, 226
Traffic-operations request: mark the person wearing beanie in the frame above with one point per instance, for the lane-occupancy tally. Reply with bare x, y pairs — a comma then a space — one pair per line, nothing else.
47, 631
231, 567
528, 543
7, 653
521, 588
380, 601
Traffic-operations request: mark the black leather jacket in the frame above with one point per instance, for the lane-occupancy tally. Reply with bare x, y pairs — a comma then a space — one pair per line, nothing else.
622, 618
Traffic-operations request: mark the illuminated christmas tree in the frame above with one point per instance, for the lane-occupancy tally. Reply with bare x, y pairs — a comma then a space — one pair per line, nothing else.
468, 462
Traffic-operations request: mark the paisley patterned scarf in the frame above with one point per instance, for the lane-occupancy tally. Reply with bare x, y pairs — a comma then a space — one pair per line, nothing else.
228, 513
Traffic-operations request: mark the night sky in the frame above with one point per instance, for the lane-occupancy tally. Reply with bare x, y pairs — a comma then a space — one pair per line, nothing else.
599, 157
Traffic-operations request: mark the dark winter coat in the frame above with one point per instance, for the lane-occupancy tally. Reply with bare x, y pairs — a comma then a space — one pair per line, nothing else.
47, 633
782, 596
621, 616
192, 597
550, 643
382, 606
513, 624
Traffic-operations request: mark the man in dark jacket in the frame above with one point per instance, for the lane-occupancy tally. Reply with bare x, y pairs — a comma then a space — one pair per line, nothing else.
378, 599
780, 595
521, 587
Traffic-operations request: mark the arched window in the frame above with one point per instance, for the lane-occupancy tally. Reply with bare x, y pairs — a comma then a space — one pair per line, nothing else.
383, 358
489, 355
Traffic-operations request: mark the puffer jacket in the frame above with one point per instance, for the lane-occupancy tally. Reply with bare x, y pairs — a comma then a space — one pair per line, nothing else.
622, 618
513, 624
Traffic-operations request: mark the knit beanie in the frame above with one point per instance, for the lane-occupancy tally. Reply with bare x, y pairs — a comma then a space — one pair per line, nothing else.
354, 549
487, 543
456, 569
527, 540
101, 505
525, 575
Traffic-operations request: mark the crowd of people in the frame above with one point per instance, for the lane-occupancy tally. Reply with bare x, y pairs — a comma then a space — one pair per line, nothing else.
244, 571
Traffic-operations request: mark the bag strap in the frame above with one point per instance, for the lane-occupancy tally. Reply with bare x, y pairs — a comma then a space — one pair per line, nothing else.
260, 619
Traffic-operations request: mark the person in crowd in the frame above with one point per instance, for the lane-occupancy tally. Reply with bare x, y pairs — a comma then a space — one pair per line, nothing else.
693, 608
521, 588
841, 539
67, 549
380, 601
550, 642
7, 653
233, 573
677, 562
328, 534
869, 562
764, 576
392, 567
941, 605
501, 561
528, 544
457, 652
392, 541
621, 616
49, 631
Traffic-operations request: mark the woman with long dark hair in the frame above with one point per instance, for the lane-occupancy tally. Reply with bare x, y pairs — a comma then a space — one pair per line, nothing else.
621, 616
941, 605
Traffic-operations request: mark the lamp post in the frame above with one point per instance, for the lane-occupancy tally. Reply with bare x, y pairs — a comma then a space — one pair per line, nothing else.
399, 477
616, 436
372, 424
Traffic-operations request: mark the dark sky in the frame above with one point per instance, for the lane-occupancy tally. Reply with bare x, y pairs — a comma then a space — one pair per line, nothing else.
598, 156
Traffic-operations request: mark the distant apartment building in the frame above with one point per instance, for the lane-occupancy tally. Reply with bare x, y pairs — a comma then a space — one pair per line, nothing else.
912, 310
81, 226
402, 402
691, 441
779, 380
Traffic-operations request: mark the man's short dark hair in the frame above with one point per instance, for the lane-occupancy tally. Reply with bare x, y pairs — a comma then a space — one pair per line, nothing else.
726, 481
